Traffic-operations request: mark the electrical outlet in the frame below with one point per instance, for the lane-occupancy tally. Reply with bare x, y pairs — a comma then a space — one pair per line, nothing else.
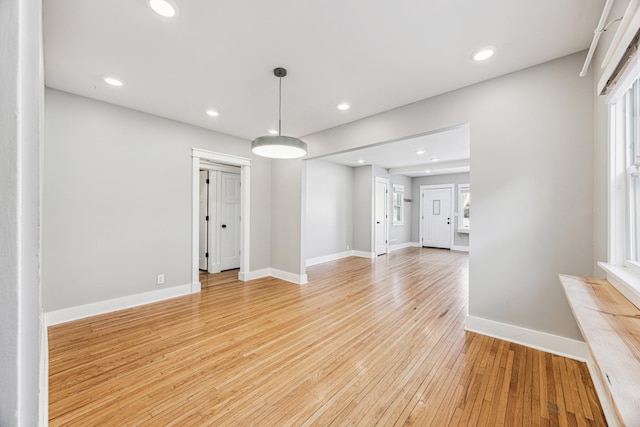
160, 279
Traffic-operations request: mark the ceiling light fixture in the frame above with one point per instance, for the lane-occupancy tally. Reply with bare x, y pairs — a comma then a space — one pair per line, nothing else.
273, 131
420, 152
212, 113
435, 159
427, 171
484, 53
343, 106
279, 146
361, 161
164, 8
113, 81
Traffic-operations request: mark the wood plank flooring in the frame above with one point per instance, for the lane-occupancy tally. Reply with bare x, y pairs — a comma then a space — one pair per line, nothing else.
365, 342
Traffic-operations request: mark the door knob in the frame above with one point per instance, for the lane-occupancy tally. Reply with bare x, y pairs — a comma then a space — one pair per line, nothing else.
377, 222
224, 226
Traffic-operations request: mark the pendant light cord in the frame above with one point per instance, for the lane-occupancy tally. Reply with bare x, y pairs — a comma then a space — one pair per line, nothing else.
280, 107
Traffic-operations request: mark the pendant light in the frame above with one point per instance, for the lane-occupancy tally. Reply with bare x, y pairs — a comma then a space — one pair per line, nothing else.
279, 146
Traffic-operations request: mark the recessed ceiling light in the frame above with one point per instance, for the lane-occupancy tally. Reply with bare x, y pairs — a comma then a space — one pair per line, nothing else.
212, 113
420, 152
343, 106
273, 131
113, 81
164, 8
427, 171
484, 53
435, 159
361, 161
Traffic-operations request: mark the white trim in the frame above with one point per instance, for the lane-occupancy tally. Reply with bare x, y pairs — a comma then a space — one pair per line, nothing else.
404, 245
606, 403
550, 343
326, 258
363, 254
299, 279
451, 188
460, 248
108, 306
224, 159
386, 220
245, 206
252, 275
627, 282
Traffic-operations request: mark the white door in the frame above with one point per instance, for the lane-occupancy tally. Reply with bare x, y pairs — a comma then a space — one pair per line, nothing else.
381, 196
204, 218
230, 221
436, 217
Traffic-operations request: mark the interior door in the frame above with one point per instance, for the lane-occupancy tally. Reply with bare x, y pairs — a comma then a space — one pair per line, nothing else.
204, 219
381, 196
230, 221
436, 217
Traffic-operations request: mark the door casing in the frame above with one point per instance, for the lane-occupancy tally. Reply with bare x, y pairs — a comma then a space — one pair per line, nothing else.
450, 188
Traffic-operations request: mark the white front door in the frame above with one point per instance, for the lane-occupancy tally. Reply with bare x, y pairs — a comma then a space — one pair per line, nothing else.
381, 196
436, 217
204, 219
230, 221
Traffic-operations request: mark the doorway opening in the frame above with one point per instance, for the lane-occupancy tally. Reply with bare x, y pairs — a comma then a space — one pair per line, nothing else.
381, 216
226, 237
220, 218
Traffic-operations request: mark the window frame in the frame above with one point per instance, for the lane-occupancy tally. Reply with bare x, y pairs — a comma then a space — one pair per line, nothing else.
622, 271
397, 189
460, 212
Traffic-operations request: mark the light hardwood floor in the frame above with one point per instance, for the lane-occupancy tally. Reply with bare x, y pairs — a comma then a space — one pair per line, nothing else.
365, 342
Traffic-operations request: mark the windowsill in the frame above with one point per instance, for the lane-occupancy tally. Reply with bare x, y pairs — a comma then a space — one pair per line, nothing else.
462, 230
625, 280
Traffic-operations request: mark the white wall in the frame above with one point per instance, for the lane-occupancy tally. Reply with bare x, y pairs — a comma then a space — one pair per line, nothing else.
117, 200
459, 239
286, 212
532, 181
363, 209
399, 234
329, 208
21, 84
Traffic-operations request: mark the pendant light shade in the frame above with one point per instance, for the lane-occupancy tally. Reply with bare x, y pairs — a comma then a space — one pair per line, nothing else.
279, 146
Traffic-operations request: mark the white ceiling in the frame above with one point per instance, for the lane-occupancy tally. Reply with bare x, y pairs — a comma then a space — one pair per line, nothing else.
220, 54
450, 147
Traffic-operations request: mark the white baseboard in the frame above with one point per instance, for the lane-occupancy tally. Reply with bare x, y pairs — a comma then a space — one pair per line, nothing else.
101, 307
404, 245
363, 254
332, 257
299, 279
252, 275
460, 248
554, 344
